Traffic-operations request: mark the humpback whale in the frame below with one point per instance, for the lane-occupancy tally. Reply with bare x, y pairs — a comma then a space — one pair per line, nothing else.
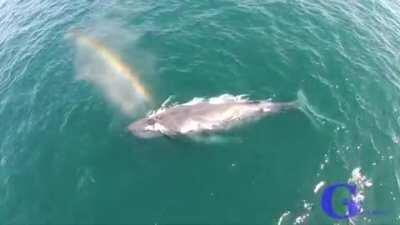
201, 115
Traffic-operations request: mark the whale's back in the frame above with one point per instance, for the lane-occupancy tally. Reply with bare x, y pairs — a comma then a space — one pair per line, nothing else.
204, 116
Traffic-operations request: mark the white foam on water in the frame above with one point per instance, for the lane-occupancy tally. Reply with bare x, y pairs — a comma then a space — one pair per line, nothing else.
319, 186
362, 184
303, 218
195, 101
224, 98
283, 217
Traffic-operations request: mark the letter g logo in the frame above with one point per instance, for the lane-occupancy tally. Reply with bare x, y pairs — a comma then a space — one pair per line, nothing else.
353, 208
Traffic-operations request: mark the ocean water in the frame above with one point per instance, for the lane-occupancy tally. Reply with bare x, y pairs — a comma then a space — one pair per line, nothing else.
67, 158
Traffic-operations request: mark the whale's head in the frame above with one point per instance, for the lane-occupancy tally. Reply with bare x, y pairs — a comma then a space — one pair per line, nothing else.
145, 128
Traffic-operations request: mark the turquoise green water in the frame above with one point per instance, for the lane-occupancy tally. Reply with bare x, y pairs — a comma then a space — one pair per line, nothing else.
65, 155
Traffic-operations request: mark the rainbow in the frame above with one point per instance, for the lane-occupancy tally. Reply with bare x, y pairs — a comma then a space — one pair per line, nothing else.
114, 61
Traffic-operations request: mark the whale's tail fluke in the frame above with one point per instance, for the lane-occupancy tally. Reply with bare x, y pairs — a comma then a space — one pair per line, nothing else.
317, 119
303, 105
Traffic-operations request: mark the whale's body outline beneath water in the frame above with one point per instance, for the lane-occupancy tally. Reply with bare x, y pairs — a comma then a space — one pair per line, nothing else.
200, 116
